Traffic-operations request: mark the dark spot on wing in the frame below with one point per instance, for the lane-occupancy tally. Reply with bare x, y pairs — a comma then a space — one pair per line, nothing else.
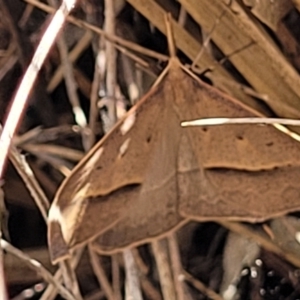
149, 139
269, 144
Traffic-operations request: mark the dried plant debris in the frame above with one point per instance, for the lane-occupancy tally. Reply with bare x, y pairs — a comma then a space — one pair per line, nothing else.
107, 57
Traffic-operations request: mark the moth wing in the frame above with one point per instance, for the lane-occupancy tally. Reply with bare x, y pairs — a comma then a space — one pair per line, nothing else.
244, 172
82, 206
155, 210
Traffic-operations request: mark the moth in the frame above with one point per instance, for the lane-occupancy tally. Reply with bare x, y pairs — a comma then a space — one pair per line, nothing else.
149, 175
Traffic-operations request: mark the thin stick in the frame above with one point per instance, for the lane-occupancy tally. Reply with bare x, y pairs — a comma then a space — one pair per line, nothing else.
276, 122
25, 16
13, 29
132, 56
83, 43
176, 266
71, 84
207, 40
19, 102
100, 274
93, 101
163, 266
116, 277
147, 286
95, 296
25, 171
130, 79
54, 150
256, 120
142, 266
111, 38
9, 63
170, 37
262, 240
111, 66
201, 287
149, 289
70, 278
51, 291
182, 16
133, 289
35, 265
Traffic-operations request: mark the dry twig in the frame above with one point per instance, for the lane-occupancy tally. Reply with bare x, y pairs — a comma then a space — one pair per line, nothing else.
100, 274
164, 270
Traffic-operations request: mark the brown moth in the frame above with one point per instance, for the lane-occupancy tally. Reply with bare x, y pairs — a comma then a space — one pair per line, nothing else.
149, 175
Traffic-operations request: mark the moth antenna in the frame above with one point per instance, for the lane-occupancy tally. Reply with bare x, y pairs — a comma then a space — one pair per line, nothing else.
170, 36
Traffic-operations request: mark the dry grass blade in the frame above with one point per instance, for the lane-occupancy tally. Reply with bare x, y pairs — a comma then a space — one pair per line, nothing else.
29, 179
3, 291
19, 102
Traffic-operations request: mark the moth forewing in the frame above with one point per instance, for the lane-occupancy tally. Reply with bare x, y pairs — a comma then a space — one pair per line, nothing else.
117, 161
